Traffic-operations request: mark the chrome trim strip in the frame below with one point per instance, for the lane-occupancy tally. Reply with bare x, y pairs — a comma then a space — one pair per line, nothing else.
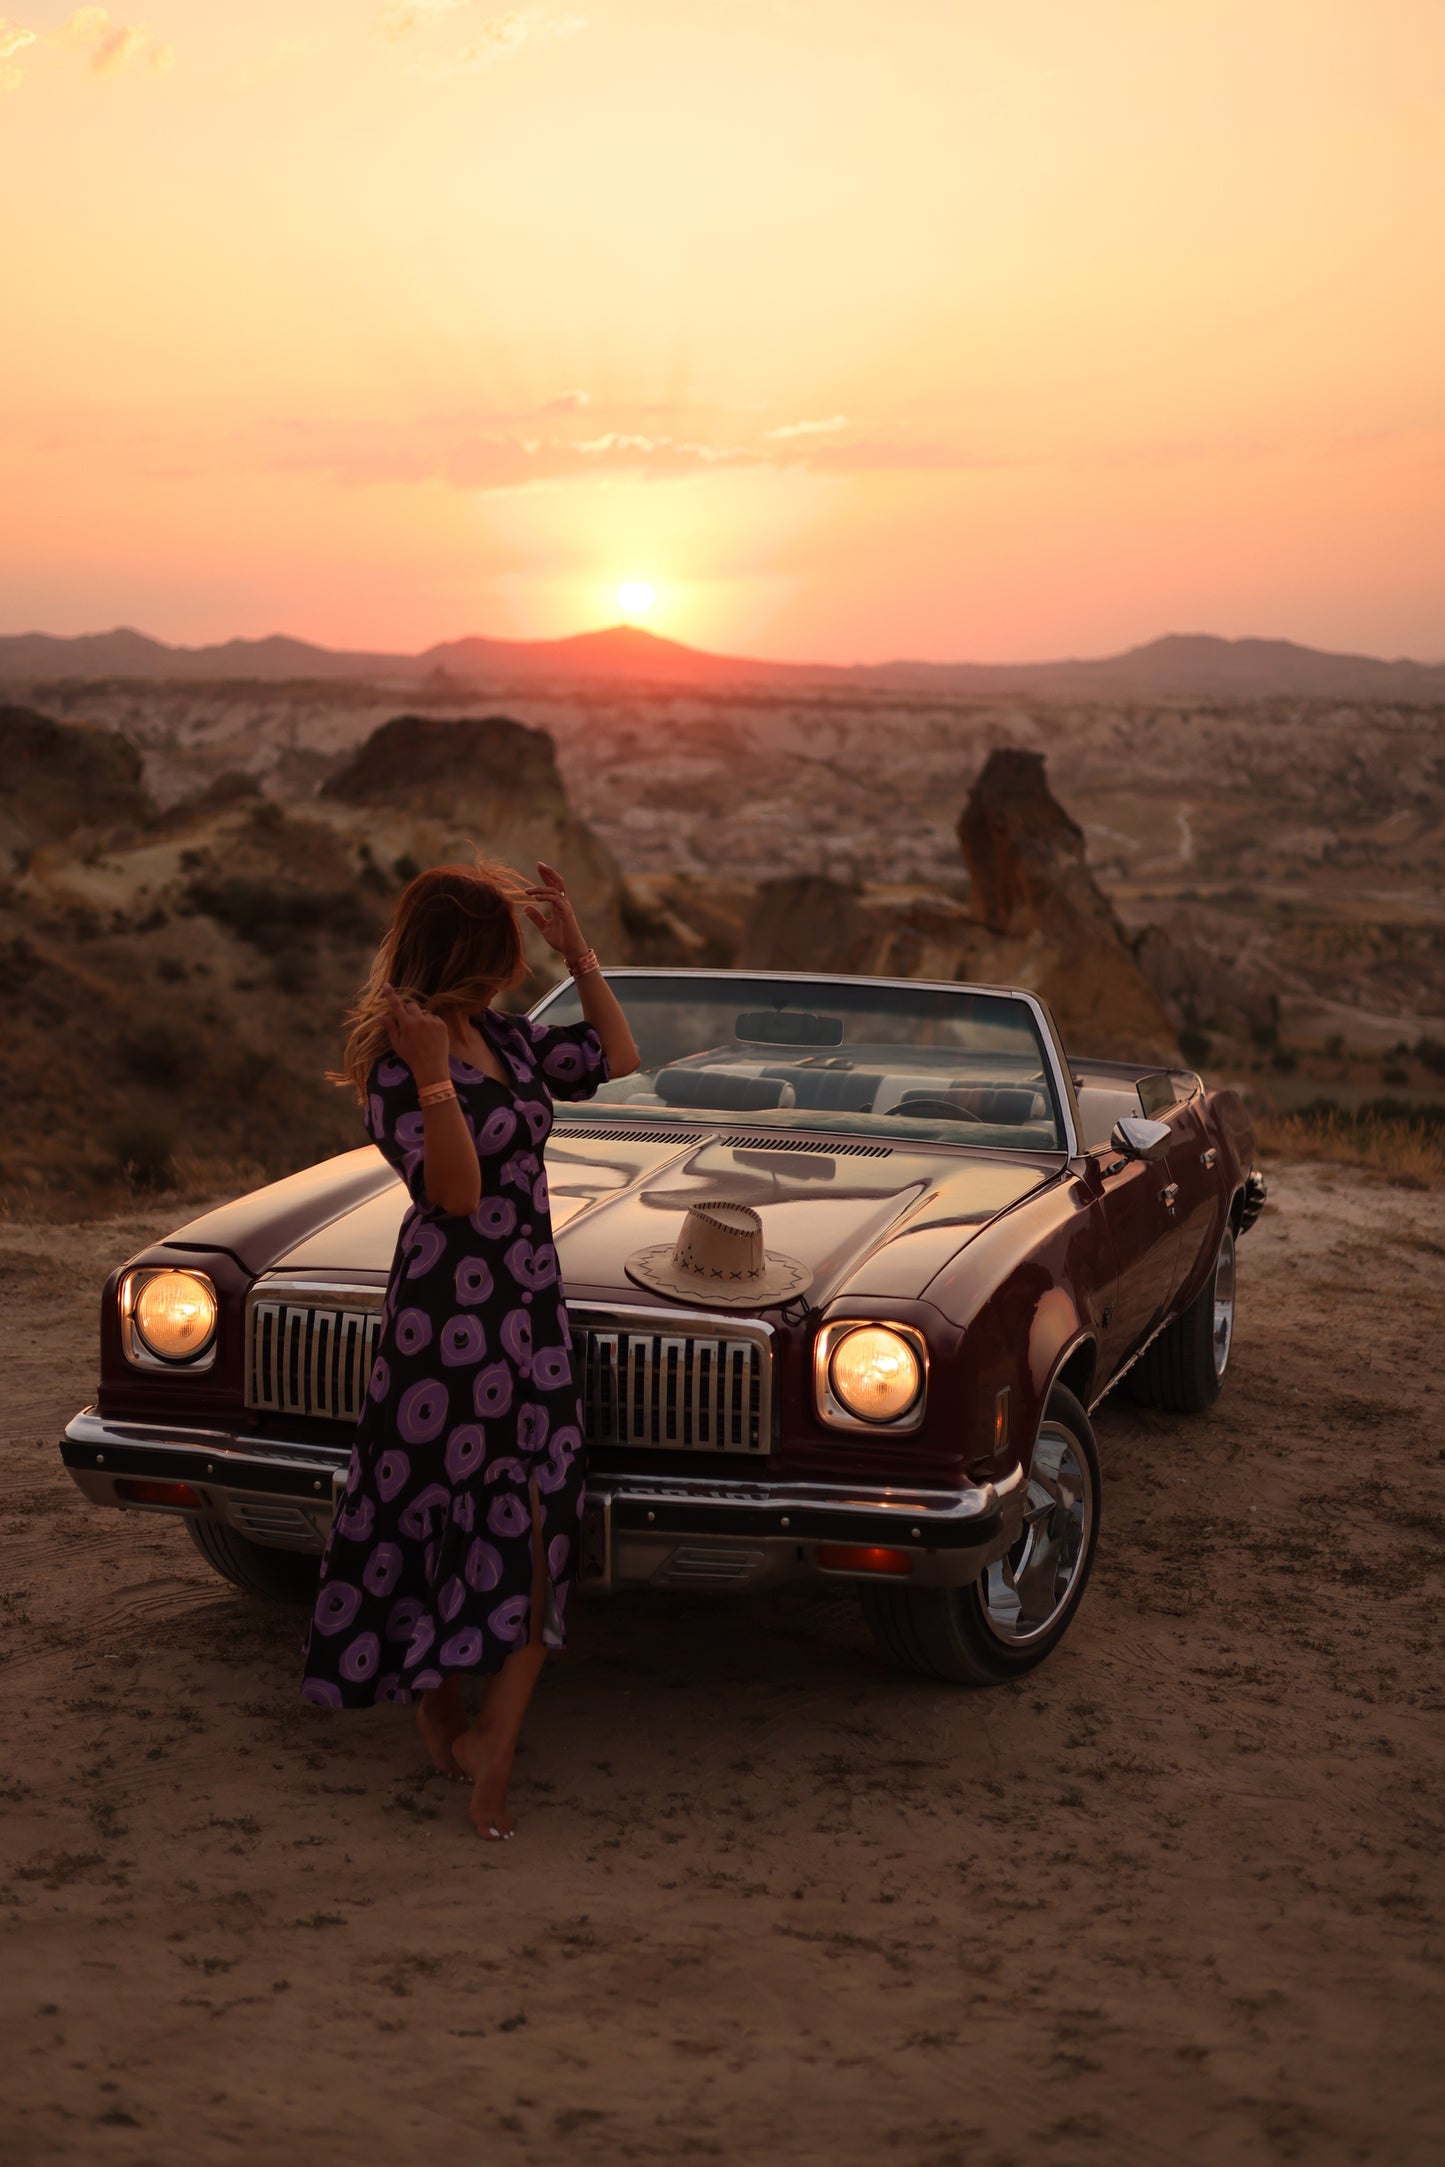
95, 1432
90, 1429
635, 1532
938, 1508
1137, 1356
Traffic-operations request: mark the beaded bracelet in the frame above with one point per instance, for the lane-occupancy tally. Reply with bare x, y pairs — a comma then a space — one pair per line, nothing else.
582, 966
436, 1094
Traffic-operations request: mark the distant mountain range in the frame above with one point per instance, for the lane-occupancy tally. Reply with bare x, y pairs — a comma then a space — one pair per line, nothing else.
1194, 666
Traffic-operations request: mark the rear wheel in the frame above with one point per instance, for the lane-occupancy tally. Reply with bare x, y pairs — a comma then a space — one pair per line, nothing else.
1018, 1612
1183, 1370
283, 1576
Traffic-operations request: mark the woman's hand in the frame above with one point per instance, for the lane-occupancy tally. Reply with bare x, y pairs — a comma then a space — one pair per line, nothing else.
551, 912
417, 1037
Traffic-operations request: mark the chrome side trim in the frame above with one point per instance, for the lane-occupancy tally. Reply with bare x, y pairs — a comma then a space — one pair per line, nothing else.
1137, 1356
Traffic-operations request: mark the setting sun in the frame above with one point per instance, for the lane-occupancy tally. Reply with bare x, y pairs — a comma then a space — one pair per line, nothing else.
635, 597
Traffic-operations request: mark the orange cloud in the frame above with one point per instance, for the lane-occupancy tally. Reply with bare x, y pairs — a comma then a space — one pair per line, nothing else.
807, 428
495, 37
13, 40
109, 44
404, 16
498, 450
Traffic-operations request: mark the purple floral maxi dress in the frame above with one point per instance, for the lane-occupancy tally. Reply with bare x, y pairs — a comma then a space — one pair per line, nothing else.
428, 1567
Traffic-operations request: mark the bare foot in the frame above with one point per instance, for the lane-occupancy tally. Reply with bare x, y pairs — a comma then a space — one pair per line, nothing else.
441, 1717
489, 1764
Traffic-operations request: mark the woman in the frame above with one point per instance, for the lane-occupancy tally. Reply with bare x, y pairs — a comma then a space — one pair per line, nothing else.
455, 1543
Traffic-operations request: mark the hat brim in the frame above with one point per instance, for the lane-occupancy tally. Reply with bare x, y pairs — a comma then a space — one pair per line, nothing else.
781, 1279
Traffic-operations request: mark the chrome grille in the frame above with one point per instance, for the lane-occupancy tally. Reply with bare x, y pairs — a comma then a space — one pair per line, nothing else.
679, 1390
309, 1360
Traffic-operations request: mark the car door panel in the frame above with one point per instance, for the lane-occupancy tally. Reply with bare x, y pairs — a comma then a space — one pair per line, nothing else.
1144, 1231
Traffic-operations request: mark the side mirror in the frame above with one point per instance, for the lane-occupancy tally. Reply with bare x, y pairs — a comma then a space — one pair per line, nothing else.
1141, 1139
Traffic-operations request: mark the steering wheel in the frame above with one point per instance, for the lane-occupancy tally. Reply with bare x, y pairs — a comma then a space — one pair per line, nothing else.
933, 1110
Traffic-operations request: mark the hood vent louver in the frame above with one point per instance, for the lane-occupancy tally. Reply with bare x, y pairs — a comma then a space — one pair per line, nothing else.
809, 1143
596, 1133
757, 1141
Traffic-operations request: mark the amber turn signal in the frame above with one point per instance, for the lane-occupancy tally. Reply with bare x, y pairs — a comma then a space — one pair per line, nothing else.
847, 1557
138, 1491
1000, 1419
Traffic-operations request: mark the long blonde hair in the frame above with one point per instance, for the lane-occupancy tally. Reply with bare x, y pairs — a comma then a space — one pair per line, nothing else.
454, 941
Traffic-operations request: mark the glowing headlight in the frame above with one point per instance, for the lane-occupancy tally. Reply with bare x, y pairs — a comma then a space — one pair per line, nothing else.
874, 1373
174, 1314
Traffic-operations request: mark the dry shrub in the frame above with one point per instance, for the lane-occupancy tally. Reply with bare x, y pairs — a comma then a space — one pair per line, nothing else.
1390, 1137
211, 1175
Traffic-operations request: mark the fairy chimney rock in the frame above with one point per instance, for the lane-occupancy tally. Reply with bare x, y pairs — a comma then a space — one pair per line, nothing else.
1050, 925
1025, 856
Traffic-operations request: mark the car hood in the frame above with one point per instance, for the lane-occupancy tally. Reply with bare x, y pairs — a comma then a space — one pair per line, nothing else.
864, 1221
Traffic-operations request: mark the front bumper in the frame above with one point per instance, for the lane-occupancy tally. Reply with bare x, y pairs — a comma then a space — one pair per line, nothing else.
638, 1530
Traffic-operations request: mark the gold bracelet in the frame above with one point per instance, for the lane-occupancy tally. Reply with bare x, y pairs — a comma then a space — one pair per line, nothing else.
436, 1094
582, 966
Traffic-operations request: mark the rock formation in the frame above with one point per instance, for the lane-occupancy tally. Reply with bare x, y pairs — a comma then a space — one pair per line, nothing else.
1037, 919
1025, 856
492, 766
60, 777
1052, 929
435, 790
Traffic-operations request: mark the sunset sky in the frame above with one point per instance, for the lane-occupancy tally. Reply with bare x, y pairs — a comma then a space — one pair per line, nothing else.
978, 329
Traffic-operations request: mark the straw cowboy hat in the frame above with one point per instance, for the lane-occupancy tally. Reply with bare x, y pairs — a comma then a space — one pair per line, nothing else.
719, 1257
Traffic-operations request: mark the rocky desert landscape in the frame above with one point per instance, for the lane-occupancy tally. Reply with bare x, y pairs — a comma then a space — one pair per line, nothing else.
193, 870
1176, 1897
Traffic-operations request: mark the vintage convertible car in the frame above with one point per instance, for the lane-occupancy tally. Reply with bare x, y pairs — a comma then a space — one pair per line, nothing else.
993, 1235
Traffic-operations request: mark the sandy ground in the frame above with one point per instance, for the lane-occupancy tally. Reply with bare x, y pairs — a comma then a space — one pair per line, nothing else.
1178, 1898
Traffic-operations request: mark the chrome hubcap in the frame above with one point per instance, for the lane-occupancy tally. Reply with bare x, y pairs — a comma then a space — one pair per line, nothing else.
1024, 1592
1223, 1305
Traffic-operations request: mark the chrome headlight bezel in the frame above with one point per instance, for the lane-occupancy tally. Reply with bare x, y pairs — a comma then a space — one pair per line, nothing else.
832, 1410
134, 1344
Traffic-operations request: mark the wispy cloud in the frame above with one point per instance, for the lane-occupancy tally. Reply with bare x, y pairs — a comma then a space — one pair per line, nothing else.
492, 39
497, 450
829, 427
403, 16
91, 34
108, 44
13, 39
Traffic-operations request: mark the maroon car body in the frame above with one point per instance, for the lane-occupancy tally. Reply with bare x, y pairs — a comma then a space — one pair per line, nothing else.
1028, 1277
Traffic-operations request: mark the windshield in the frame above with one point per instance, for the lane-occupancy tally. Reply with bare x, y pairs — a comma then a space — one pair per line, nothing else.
895, 1062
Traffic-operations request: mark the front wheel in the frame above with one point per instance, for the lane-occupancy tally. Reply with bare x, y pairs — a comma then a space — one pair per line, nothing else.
1018, 1612
283, 1576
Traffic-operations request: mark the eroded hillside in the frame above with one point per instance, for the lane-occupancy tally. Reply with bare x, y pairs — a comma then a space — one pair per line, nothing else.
180, 935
